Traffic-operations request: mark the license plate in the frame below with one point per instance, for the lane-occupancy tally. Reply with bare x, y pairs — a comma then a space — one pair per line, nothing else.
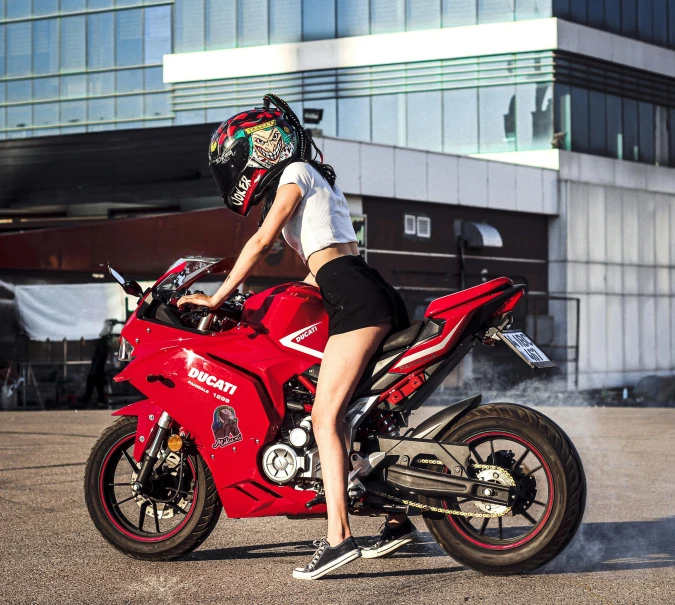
529, 352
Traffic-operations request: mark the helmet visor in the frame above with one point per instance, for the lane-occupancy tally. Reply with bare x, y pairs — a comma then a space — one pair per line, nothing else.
228, 166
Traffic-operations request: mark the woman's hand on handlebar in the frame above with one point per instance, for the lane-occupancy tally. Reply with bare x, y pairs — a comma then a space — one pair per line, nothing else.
199, 300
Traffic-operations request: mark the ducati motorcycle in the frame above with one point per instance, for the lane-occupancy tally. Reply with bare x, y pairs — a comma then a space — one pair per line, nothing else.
226, 424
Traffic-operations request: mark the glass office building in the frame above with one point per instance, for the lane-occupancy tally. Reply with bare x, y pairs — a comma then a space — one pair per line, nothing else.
87, 65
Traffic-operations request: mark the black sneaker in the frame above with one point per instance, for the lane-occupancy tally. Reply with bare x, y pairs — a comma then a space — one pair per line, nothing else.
327, 558
391, 538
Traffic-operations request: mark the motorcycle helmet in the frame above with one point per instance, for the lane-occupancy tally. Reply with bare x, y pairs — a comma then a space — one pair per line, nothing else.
248, 152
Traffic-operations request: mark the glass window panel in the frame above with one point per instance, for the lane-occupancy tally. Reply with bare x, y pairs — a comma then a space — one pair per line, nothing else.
2, 51
318, 19
661, 21
18, 91
329, 121
285, 21
614, 127
129, 80
631, 149
157, 105
460, 121
354, 118
672, 137
597, 111
189, 25
16, 9
18, 49
252, 18
128, 38
425, 124
157, 33
99, 110
660, 136
129, 108
533, 9
561, 9
353, 18
127, 2
73, 112
73, 50
495, 11
71, 6
387, 123
101, 41
534, 127
45, 88
387, 16
596, 13
99, 3
645, 20
46, 46
613, 16
2, 92
459, 12
191, 116
628, 18
562, 115
153, 78
579, 10
423, 14
73, 86
101, 84
580, 138
646, 139
45, 7
496, 114
221, 24
19, 116
46, 114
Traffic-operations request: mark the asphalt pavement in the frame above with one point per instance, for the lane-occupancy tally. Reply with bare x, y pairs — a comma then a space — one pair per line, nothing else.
50, 552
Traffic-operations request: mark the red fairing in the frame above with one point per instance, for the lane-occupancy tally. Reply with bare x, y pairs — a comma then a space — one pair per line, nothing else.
463, 296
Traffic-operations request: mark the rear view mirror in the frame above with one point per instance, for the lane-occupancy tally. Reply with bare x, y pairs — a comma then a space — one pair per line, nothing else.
132, 288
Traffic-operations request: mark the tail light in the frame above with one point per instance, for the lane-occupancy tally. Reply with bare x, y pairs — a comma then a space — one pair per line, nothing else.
126, 350
509, 304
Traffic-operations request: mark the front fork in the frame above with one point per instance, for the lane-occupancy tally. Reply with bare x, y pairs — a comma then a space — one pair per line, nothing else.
151, 454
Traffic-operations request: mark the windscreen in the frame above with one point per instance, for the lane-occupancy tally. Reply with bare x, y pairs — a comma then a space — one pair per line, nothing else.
193, 269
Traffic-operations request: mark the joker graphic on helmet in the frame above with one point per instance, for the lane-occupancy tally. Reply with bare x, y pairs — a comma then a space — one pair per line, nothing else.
270, 144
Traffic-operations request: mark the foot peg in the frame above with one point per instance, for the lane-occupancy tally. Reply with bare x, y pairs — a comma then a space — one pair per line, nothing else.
318, 499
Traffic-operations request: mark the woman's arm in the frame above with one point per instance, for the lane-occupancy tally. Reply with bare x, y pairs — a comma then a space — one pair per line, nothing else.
256, 249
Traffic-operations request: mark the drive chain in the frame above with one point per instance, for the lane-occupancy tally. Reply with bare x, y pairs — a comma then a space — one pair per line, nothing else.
446, 511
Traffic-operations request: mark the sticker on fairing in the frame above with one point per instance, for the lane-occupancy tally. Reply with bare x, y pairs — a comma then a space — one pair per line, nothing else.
225, 427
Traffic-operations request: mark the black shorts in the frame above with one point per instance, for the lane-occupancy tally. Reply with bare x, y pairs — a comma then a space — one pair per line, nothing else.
356, 296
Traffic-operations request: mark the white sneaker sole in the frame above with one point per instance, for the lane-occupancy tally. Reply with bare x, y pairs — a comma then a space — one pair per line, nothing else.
387, 549
300, 574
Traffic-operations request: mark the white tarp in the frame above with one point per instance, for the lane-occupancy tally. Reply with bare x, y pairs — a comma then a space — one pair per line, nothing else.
71, 311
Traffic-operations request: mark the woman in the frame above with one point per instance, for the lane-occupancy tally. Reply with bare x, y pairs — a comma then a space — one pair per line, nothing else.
264, 155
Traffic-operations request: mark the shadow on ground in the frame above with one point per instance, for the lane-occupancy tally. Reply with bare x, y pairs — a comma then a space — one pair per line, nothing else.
596, 547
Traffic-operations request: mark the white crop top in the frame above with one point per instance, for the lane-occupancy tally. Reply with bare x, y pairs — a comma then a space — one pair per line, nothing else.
322, 216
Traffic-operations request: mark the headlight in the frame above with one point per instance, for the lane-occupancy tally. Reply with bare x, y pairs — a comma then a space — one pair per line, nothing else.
126, 350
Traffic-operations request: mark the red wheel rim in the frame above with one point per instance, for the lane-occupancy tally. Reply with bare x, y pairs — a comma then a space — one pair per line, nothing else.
461, 529
117, 520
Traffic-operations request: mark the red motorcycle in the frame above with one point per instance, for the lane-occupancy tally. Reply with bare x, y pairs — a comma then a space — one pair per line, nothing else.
227, 424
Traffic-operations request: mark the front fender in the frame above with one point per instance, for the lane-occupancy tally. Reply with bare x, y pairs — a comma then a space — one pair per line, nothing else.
148, 414
440, 421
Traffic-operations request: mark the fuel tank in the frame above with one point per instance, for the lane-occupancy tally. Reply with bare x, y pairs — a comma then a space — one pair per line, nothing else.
293, 316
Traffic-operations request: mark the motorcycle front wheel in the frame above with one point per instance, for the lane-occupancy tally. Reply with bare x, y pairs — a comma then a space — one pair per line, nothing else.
550, 492
176, 514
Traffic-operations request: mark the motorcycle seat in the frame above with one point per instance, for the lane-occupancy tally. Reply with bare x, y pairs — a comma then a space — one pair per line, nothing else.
403, 338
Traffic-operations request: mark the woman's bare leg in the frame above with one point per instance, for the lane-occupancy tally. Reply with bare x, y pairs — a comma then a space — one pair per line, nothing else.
344, 359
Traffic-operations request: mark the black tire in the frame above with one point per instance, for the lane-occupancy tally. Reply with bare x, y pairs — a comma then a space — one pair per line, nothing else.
204, 511
568, 501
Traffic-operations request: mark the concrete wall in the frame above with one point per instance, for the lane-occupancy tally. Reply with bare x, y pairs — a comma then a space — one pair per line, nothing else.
613, 246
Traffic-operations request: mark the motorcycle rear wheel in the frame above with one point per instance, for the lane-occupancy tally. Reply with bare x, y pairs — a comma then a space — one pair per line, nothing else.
196, 513
560, 492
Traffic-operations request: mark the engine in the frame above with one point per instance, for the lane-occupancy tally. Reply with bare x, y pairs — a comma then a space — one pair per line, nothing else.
294, 457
